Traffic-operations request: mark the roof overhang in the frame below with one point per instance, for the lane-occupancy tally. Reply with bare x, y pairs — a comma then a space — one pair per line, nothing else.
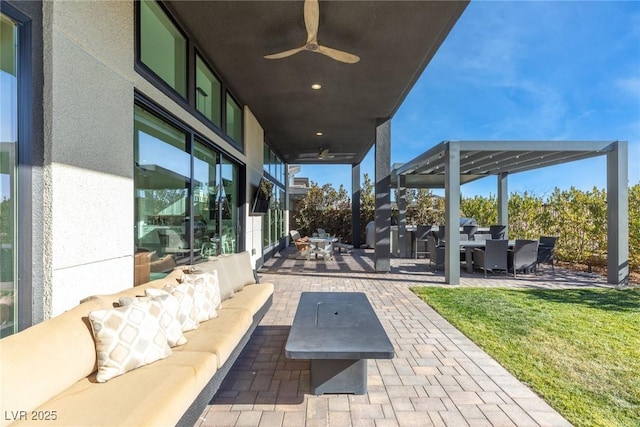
479, 159
394, 39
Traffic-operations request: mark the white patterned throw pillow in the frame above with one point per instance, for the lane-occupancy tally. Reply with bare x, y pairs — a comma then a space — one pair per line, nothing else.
168, 318
207, 297
188, 312
127, 338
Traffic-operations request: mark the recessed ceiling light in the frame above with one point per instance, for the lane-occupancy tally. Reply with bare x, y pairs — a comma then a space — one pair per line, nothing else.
319, 133
316, 86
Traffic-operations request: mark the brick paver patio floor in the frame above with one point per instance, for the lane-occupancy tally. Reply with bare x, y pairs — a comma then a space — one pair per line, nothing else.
437, 378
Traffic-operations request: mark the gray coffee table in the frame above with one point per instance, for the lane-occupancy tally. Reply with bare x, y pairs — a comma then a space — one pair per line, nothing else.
338, 332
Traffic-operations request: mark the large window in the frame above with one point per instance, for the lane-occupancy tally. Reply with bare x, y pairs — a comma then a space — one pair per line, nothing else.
8, 168
273, 221
162, 182
208, 93
234, 119
163, 48
186, 205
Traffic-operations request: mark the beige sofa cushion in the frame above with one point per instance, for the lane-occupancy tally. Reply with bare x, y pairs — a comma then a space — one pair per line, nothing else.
243, 270
220, 335
35, 354
154, 395
128, 337
251, 297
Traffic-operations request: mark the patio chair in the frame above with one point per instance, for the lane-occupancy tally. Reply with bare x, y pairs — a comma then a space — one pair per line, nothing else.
436, 253
441, 233
422, 232
546, 249
524, 256
303, 246
497, 231
492, 257
470, 231
482, 236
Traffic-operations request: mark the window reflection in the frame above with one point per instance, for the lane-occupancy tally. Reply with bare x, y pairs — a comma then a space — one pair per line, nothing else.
8, 196
162, 229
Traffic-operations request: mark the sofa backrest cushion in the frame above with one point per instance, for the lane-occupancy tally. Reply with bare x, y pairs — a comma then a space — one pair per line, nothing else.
45, 359
242, 271
224, 269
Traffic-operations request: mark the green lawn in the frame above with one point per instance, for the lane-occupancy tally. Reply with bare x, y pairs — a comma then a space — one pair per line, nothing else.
579, 349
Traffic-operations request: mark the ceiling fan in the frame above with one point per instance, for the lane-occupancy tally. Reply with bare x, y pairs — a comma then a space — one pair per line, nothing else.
311, 20
324, 153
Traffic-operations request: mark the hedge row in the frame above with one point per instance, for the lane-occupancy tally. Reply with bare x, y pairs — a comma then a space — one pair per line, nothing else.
578, 218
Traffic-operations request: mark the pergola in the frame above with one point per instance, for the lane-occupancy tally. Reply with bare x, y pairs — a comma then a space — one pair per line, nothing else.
452, 163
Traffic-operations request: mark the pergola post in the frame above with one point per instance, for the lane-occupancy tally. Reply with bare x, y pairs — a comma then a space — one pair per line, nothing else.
355, 205
452, 213
617, 214
402, 217
503, 202
382, 253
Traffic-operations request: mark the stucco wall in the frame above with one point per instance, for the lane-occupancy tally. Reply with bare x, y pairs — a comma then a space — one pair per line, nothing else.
89, 99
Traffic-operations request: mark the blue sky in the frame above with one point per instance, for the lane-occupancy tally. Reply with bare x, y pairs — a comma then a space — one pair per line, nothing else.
525, 71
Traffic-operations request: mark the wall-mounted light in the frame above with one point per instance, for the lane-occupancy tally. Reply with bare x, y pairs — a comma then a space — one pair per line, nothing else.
316, 86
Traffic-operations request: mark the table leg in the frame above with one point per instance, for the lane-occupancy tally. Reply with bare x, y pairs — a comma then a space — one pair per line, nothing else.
338, 376
468, 256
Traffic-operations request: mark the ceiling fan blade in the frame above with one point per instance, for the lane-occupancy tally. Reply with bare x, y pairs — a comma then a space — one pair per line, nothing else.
311, 19
286, 53
338, 55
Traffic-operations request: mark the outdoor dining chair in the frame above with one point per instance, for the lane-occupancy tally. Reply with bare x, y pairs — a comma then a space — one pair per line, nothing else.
492, 257
524, 256
497, 231
470, 231
422, 232
436, 253
546, 249
482, 236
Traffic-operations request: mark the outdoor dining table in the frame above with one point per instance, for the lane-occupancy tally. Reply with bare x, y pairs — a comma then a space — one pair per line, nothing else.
470, 245
322, 246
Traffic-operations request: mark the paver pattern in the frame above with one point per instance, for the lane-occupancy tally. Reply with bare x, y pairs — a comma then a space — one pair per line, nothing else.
437, 378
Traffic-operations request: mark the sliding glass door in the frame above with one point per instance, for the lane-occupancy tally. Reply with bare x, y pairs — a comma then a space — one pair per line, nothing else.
186, 198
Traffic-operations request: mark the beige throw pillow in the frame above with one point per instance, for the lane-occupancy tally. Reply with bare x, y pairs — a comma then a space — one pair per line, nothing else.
188, 312
207, 296
127, 338
168, 318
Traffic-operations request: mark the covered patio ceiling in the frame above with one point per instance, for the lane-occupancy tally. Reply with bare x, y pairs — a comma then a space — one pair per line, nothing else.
394, 40
479, 159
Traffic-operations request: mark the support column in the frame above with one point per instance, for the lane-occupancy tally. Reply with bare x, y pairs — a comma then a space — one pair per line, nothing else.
452, 213
355, 205
382, 261
617, 214
402, 219
503, 202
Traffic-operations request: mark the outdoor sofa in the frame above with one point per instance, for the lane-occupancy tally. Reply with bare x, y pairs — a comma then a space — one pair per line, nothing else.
49, 370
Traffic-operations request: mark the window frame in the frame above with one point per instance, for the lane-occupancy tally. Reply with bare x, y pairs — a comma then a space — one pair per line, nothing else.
23, 257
